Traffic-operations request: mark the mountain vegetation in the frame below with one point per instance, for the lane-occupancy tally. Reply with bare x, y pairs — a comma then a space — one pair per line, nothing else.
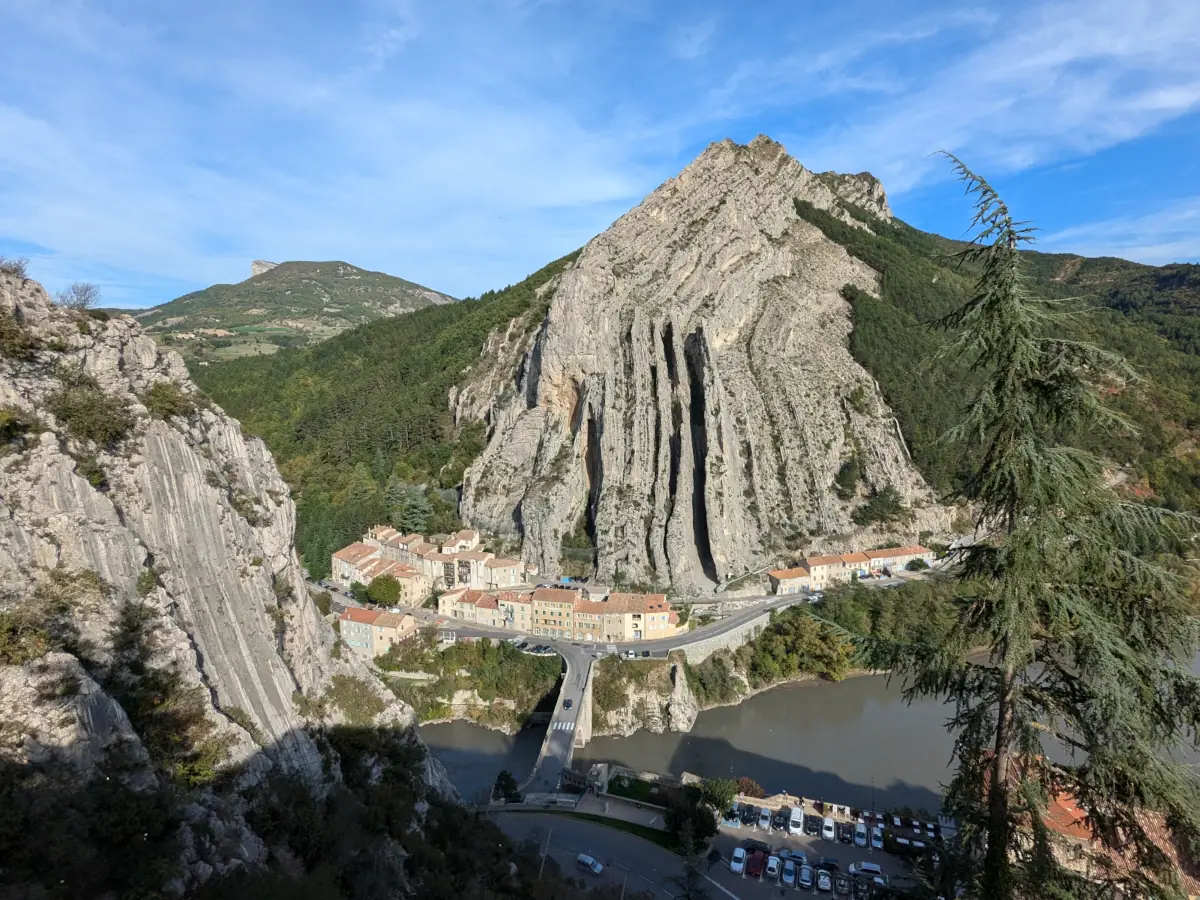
1086, 625
293, 304
355, 421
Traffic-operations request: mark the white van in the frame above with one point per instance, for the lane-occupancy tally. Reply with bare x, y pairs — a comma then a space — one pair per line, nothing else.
796, 821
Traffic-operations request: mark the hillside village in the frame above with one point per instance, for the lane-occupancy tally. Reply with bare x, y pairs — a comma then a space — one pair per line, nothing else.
815, 573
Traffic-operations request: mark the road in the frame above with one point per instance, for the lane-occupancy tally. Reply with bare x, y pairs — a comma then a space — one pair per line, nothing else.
642, 865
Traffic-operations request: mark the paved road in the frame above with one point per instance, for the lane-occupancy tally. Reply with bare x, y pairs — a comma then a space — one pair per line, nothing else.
647, 866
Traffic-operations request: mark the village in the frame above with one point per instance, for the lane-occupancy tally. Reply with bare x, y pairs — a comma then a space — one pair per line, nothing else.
476, 586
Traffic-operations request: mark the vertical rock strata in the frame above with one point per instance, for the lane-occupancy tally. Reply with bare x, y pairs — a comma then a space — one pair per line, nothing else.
690, 396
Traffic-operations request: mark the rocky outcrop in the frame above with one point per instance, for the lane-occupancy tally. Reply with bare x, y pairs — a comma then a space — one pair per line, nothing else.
664, 702
170, 523
689, 398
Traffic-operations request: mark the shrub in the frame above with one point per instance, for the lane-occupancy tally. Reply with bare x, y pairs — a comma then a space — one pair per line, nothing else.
884, 506
845, 484
240, 717
22, 640
165, 399
89, 414
15, 424
147, 581
917, 565
749, 787
323, 600
89, 468
79, 295
355, 699
15, 265
16, 341
246, 507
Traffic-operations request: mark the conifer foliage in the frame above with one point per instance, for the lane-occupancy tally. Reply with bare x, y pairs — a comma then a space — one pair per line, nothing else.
1074, 598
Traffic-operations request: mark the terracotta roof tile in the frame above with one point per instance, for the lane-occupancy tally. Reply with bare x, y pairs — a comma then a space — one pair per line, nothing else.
854, 558
785, 574
811, 561
356, 552
362, 616
637, 603
498, 563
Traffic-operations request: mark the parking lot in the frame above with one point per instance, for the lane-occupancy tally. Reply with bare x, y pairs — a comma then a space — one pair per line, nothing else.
836, 855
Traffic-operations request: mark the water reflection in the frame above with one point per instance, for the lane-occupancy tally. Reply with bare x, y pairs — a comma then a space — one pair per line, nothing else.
474, 756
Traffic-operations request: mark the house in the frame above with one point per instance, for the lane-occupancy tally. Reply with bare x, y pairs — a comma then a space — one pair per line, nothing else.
790, 581
855, 564
499, 574
893, 558
461, 541
347, 560
516, 609
553, 610
589, 620
355, 628
390, 629
825, 570
637, 617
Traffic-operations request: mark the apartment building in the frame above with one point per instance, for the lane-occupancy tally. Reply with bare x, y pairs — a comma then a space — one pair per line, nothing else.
790, 581
389, 630
553, 612
371, 633
897, 557
638, 617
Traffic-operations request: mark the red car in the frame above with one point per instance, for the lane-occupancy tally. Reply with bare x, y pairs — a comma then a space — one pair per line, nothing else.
755, 864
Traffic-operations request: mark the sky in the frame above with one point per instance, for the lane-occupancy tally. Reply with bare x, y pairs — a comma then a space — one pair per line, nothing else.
156, 148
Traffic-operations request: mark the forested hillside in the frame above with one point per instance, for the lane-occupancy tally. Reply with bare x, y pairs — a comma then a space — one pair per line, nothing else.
356, 421
1145, 313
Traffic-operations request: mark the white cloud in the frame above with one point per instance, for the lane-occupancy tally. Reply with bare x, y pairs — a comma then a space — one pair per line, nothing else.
1167, 235
1056, 80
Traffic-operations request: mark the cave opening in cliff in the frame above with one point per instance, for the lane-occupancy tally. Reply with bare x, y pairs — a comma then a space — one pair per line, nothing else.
693, 355
595, 473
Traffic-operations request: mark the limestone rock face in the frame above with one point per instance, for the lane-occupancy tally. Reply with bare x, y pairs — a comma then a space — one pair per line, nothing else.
664, 703
184, 519
690, 397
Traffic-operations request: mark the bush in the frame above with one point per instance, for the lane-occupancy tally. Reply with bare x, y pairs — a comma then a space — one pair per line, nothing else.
239, 716
89, 414
718, 792
15, 265
355, 699
147, 581
917, 565
22, 640
748, 787
165, 399
845, 484
15, 424
79, 295
885, 506
16, 341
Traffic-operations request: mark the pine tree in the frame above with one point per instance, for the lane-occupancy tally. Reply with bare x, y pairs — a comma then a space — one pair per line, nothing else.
1069, 592
416, 513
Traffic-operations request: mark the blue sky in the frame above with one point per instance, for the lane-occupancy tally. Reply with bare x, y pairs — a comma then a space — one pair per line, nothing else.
154, 148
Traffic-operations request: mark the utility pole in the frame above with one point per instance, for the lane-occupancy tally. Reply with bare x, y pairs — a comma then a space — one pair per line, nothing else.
545, 853
623, 883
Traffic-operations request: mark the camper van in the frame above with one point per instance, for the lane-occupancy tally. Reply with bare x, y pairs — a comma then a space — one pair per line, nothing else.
796, 821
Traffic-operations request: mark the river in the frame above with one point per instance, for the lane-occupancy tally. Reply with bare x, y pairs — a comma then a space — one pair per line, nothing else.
839, 742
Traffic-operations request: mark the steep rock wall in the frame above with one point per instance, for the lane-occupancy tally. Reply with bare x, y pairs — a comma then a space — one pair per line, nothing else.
690, 394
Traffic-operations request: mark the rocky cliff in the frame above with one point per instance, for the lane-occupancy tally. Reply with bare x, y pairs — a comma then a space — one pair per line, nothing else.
689, 399
653, 696
151, 599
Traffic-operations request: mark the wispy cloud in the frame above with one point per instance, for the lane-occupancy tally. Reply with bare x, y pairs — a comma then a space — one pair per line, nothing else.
464, 144
1167, 235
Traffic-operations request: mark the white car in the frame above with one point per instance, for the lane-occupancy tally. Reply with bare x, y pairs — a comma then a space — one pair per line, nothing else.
824, 880
860, 835
828, 829
789, 873
764, 819
737, 865
772, 867
877, 838
796, 821
868, 870
588, 864
805, 878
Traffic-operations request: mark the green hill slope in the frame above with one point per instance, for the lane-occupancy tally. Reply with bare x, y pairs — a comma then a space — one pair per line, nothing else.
368, 409
293, 304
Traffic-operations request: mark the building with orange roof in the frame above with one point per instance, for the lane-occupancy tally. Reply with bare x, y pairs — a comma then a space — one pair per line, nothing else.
347, 561
354, 626
638, 617
790, 581
389, 630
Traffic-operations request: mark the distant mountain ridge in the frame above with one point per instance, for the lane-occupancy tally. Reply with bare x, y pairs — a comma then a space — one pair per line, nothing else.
289, 304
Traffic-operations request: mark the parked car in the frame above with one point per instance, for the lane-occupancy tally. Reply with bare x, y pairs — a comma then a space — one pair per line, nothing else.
630, 654
845, 832
869, 869
788, 877
779, 821
877, 837
804, 878
737, 863
841, 885
860, 835
828, 829
755, 864
645, 654
812, 825
827, 863
764, 819
772, 868
587, 864
824, 880
749, 814
731, 817
796, 821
